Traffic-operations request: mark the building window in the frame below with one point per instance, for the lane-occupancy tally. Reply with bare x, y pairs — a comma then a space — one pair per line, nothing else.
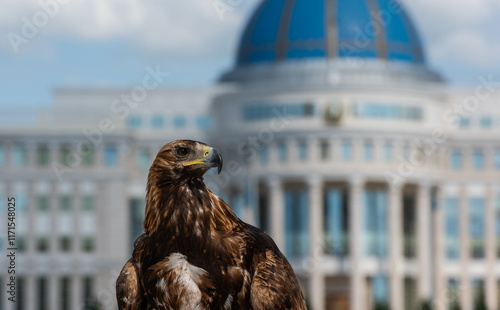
380, 292
346, 150
302, 150
134, 122
42, 293
452, 228
88, 156
143, 159
478, 160
388, 149
88, 244
296, 222
238, 204
409, 226
180, 122
88, 203
3, 160
411, 298
21, 244
453, 294
65, 244
282, 151
42, 244
375, 222
263, 155
65, 293
21, 202
263, 209
476, 227
65, 203
65, 155
43, 203
336, 222
368, 151
136, 209
157, 122
21, 294
387, 111
111, 156
43, 155
464, 122
19, 156
478, 294
268, 111
204, 122
88, 295
497, 159
324, 150
456, 160
486, 122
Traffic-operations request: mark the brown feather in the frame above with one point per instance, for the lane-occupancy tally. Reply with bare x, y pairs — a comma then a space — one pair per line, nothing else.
195, 253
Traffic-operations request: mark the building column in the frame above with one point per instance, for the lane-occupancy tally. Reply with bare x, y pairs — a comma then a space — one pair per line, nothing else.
99, 160
76, 293
54, 291
491, 281
292, 149
277, 211
465, 285
396, 249
31, 149
424, 242
30, 301
357, 149
441, 289
317, 279
378, 149
357, 283
313, 150
31, 243
252, 201
30, 212
8, 145
76, 216
334, 149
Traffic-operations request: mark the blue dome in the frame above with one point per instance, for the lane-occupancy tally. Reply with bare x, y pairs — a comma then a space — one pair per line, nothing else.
282, 30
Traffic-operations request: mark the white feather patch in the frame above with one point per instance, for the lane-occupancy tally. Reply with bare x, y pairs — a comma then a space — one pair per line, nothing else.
189, 278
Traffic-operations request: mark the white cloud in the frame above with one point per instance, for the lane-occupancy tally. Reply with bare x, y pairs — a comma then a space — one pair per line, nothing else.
468, 48
459, 33
454, 32
191, 27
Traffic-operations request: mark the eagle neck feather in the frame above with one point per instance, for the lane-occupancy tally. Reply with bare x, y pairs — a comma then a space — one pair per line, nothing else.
186, 207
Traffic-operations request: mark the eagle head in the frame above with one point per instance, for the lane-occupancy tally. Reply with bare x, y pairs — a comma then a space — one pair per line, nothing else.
186, 159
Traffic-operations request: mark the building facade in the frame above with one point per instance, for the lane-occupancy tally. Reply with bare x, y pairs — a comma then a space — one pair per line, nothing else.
375, 178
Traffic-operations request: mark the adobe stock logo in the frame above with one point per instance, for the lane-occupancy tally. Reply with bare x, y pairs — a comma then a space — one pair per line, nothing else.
31, 26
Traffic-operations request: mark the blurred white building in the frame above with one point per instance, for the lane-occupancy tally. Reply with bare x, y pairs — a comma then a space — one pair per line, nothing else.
377, 180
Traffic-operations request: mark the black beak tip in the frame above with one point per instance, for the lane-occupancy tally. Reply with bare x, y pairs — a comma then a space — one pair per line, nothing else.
219, 163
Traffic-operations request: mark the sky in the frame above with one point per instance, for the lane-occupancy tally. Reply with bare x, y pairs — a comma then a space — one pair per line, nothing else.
47, 44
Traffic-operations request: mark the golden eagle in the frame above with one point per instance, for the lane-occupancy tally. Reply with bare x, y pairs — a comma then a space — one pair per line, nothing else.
195, 253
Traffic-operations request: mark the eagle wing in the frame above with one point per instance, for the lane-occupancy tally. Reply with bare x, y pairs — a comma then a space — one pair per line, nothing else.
128, 286
128, 289
274, 284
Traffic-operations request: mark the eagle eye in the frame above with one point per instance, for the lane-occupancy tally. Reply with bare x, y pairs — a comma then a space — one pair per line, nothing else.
182, 151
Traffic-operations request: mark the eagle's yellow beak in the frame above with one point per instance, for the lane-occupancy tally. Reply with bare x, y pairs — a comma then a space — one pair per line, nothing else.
211, 158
